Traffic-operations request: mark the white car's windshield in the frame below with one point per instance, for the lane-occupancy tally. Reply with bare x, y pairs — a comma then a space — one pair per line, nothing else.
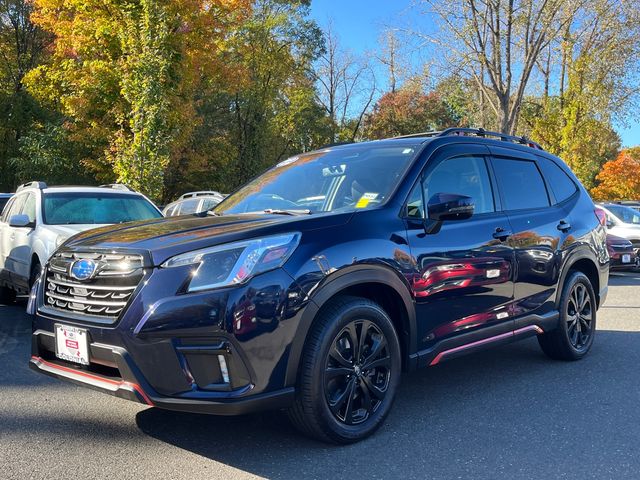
625, 214
355, 177
68, 208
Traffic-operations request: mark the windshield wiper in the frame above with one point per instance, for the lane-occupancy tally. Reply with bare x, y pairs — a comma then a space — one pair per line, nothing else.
275, 211
212, 213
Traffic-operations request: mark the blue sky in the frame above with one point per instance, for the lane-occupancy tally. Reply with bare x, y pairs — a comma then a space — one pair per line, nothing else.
358, 24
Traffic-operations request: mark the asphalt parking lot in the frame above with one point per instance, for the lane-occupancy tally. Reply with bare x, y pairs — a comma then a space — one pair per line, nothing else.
505, 413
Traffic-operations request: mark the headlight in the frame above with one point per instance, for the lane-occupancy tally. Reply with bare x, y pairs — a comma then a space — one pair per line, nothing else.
235, 263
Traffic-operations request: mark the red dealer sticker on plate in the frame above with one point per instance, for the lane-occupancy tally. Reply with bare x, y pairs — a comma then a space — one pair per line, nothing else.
72, 344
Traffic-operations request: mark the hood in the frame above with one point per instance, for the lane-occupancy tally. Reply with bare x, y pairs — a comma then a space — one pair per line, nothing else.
67, 231
616, 240
163, 238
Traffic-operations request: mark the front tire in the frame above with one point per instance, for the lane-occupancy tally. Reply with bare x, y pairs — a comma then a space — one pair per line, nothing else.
36, 271
573, 338
349, 374
7, 295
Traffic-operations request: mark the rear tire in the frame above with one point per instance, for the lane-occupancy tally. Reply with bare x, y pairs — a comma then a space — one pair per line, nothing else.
349, 373
573, 337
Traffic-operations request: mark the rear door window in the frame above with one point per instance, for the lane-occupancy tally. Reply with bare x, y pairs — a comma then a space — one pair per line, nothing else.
561, 184
189, 206
16, 206
520, 183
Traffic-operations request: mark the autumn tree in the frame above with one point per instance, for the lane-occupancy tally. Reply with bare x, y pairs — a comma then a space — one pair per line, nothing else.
390, 56
620, 178
269, 110
346, 87
124, 72
498, 44
596, 65
408, 110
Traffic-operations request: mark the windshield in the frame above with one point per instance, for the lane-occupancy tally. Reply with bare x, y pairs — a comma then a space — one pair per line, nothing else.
626, 214
67, 208
351, 178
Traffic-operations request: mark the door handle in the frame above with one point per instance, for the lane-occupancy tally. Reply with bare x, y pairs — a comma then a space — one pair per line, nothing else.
502, 234
564, 226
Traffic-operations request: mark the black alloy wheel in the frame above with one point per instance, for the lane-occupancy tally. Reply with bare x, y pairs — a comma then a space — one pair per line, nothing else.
573, 337
349, 372
579, 316
357, 372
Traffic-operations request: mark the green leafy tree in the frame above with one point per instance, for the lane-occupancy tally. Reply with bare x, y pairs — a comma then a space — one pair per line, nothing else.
141, 149
47, 154
23, 46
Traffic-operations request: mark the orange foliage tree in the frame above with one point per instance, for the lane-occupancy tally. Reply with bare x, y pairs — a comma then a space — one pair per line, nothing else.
408, 110
619, 179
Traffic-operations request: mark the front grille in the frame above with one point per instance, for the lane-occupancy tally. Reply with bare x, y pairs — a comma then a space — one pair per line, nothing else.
105, 294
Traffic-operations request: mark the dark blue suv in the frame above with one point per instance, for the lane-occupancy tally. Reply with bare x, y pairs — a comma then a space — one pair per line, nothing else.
313, 286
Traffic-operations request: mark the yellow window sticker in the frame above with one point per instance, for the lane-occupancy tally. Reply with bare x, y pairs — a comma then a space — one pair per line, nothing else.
365, 199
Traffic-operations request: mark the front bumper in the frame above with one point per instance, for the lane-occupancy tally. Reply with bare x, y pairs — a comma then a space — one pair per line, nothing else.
222, 352
132, 390
616, 260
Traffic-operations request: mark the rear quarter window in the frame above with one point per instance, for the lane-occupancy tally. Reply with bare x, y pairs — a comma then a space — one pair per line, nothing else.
561, 184
520, 183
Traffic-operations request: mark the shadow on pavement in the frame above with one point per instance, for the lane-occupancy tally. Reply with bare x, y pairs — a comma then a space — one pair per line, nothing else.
509, 412
503, 413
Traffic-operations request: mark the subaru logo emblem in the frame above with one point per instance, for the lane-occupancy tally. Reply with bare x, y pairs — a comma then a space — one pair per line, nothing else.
83, 269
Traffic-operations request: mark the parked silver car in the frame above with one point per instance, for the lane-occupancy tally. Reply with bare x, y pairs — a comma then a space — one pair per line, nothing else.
624, 222
193, 202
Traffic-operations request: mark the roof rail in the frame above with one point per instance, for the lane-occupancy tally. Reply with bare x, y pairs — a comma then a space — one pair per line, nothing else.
118, 186
200, 194
477, 132
38, 185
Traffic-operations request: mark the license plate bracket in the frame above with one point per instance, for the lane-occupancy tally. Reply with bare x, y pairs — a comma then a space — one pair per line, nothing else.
626, 258
72, 344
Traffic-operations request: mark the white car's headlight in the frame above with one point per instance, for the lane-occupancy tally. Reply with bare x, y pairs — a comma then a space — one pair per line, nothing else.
235, 263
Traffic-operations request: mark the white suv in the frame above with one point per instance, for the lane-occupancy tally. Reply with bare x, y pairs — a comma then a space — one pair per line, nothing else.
38, 219
193, 202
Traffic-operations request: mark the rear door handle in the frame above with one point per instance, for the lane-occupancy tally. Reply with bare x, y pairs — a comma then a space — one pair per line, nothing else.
564, 226
502, 234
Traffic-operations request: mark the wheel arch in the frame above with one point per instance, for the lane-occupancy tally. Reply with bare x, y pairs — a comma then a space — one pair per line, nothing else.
379, 284
35, 258
583, 261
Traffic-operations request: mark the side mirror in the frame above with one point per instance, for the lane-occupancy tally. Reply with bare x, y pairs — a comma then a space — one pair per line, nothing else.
20, 221
610, 224
449, 206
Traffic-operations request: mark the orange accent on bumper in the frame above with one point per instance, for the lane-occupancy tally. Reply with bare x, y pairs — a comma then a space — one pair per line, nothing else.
95, 378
